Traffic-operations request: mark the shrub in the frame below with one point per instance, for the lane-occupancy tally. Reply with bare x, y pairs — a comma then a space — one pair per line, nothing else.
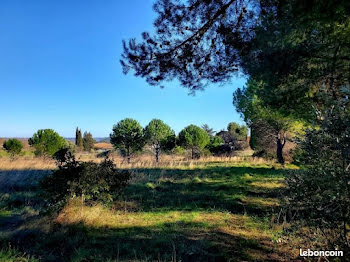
178, 150
215, 143
46, 142
88, 180
13, 146
320, 194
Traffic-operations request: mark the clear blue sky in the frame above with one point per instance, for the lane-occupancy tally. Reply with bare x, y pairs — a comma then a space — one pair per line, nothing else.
59, 69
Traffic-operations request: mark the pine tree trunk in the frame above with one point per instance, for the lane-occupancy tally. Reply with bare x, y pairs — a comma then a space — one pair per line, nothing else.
157, 154
279, 149
128, 155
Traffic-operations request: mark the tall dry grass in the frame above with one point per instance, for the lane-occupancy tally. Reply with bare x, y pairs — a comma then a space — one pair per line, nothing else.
142, 161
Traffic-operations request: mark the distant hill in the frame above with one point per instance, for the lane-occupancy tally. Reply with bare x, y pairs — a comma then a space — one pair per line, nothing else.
97, 139
24, 140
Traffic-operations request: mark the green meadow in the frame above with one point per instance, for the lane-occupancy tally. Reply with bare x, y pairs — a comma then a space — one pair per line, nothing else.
209, 212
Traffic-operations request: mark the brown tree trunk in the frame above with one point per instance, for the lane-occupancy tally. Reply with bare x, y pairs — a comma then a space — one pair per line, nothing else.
157, 149
128, 155
279, 150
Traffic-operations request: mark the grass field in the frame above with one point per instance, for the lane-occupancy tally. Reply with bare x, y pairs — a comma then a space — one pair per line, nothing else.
213, 210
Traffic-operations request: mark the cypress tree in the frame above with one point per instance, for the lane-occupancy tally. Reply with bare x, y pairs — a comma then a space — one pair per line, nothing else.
78, 138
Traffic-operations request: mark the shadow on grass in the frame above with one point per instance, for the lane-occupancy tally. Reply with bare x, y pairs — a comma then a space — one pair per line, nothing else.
170, 242
20, 180
218, 188
211, 188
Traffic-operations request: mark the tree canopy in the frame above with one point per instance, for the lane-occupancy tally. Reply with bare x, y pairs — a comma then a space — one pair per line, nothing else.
194, 138
160, 136
294, 47
47, 142
127, 136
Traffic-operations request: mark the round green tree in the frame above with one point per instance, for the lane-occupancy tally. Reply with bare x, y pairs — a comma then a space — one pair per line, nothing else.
13, 146
194, 138
160, 136
127, 136
47, 142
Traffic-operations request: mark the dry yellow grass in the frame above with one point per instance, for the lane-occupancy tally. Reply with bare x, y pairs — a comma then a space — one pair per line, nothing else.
142, 161
103, 146
26, 163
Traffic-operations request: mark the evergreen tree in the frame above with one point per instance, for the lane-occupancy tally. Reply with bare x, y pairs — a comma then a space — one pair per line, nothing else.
88, 141
160, 136
47, 142
127, 136
78, 138
194, 138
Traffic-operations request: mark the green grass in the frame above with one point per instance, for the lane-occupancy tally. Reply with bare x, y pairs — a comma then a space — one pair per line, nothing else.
216, 212
8, 254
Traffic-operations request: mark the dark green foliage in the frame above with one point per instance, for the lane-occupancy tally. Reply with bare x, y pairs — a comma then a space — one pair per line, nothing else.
239, 132
127, 136
321, 193
160, 136
294, 47
195, 41
88, 141
194, 138
78, 139
88, 180
13, 146
214, 144
46, 142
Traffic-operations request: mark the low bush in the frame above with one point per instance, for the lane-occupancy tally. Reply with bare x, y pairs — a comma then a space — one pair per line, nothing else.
88, 180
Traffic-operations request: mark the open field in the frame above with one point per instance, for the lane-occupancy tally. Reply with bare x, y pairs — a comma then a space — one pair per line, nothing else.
205, 210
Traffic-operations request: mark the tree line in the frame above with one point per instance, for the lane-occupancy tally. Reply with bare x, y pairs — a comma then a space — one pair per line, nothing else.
129, 137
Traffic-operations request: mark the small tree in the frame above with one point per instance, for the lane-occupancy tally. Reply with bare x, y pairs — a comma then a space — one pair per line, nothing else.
160, 136
78, 139
47, 142
13, 146
239, 132
88, 141
127, 136
194, 138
